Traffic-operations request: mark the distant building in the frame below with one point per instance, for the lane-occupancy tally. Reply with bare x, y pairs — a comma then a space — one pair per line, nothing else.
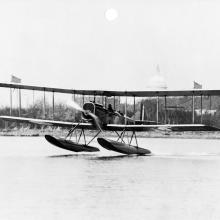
157, 82
205, 111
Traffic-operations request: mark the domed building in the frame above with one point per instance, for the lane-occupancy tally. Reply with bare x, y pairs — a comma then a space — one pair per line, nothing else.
157, 82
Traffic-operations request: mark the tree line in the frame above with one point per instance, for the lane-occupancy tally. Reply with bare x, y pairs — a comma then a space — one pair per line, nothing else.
178, 111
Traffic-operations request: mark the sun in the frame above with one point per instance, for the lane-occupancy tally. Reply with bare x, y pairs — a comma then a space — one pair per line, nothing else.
111, 14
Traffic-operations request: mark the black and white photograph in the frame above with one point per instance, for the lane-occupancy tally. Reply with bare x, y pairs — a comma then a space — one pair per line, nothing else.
110, 109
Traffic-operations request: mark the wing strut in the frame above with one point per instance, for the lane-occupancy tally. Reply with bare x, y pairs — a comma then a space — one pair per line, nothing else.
82, 133
121, 137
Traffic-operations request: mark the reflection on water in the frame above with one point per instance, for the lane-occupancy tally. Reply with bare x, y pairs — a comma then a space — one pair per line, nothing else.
117, 157
71, 155
179, 181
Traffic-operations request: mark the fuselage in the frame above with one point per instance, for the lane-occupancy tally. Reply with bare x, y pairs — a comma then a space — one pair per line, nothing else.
109, 115
106, 116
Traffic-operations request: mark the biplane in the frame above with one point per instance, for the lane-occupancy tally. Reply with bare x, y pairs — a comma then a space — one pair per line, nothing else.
95, 116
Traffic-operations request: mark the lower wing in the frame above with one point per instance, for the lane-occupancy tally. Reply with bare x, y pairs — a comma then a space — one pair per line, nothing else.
165, 127
63, 124
114, 127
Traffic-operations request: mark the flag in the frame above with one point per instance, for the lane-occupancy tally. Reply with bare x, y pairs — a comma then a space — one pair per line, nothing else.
15, 79
196, 85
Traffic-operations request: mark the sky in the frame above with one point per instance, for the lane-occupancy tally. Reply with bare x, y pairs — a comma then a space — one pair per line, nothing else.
71, 44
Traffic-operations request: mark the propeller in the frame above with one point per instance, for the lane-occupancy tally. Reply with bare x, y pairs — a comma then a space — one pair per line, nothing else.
128, 118
75, 106
95, 119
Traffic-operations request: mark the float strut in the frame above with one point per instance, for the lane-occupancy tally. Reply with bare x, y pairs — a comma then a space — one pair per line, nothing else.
94, 137
120, 135
71, 130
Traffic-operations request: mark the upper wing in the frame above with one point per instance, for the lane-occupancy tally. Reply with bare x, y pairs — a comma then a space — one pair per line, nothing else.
63, 124
167, 127
161, 93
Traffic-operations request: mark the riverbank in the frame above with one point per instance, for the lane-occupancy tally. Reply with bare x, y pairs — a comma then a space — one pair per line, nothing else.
152, 134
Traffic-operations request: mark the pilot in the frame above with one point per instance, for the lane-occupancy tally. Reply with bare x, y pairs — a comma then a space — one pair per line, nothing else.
110, 108
110, 114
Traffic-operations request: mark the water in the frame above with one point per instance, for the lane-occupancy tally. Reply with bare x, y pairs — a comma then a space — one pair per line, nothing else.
181, 180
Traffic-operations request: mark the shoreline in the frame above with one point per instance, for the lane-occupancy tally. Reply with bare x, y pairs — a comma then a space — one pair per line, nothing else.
21, 132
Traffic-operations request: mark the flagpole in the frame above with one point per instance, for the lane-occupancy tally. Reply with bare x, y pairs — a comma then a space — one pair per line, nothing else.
201, 110
33, 98
126, 110
143, 112
134, 109
19, 97
15, 79
44, 106
157, 115
165, 101
53, 104
10, 101
193, 109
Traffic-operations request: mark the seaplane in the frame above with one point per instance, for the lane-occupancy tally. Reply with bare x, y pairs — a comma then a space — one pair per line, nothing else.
100, 118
